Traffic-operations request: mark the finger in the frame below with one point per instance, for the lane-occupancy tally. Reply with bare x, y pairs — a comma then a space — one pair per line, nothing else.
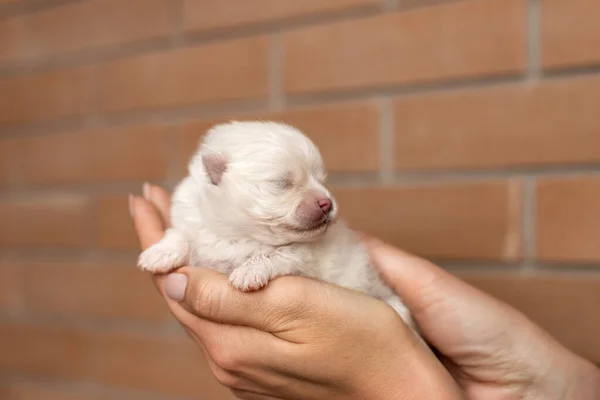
147, 220
161, 200
208, 295
223, 376
434, 295
418, 282
239, 356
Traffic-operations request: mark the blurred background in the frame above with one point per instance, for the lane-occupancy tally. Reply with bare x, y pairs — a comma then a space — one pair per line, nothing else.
465, 131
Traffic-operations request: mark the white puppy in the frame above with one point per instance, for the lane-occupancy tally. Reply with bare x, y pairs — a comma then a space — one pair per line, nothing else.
255, 207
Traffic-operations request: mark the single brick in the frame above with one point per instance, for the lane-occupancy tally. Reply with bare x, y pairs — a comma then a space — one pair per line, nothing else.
474, 221
165, 365
60, 221
231, 70
570, 33
450, 41
11, 288
115, 227
11, 164
171, 366
567, 215
83, 25
45, 345
500, 126
118, 154
23, 390
59, 93
102, 289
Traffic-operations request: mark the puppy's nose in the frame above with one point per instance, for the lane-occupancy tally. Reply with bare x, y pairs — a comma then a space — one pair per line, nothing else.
325, 205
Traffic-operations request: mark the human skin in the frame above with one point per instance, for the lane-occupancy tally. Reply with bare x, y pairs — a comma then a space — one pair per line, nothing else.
303, 339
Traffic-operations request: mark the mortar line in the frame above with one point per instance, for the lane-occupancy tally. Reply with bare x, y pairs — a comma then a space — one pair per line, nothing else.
390, 5
406, 89
276, 92
533, 41
32, 6
529, 223
400, 179
541, 269
177, 23
174, 147
386, 141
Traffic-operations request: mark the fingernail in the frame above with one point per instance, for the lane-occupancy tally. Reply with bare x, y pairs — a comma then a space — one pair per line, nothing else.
175, 286
131, 206
147, 191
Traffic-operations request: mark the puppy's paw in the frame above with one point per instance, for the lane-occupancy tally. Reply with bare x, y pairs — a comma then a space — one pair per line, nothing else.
249, 278
161, 259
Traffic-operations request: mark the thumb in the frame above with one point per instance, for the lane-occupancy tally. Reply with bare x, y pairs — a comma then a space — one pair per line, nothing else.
448, 311
424, 287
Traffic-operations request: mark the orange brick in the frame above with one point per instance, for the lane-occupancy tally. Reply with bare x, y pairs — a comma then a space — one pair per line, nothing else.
191, 133
170, 366
420, 3
55, 221
567, 215
156, 364
461, 221
346, 134
60, 93
213, 72
115, 226
211, 14
450, 41
11, 287
570, 33
35, 391
43, 390
566, 306
92, 289
10, 161
83, 25
505, 126
44, 350
121, 154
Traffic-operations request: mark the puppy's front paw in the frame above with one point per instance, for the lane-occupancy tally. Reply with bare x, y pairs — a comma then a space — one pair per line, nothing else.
249, 278
161, 259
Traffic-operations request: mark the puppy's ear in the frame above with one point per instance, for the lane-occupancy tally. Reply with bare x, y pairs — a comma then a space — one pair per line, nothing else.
215, 165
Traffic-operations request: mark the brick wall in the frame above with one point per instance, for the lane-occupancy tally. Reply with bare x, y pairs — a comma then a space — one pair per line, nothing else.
465, 131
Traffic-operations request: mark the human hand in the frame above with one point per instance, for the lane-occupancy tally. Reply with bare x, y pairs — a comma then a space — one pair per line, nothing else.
297, 338
492, 350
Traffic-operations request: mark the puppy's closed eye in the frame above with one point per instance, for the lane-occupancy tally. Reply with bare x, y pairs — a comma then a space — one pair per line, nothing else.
284, 183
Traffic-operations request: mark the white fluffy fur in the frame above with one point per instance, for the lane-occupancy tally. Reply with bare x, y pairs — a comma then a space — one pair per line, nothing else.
243, 226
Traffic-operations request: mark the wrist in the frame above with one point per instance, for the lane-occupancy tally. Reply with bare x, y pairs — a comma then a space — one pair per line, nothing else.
584, 382
570, 378
415, 374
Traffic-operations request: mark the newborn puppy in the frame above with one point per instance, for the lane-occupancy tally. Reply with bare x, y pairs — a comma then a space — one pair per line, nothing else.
254, 206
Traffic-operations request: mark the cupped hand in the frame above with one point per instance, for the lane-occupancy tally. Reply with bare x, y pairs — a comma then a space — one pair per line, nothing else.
297, 338
492, 350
